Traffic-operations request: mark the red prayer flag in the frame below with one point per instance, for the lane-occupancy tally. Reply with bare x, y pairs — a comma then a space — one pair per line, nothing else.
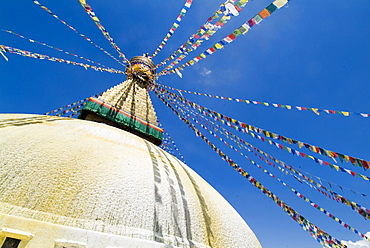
365, 164
232, 36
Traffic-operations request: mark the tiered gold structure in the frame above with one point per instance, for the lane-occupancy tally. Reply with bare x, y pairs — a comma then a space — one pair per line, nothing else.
128, 105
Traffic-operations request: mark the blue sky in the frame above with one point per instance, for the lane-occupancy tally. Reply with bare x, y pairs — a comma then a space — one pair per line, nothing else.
311, 54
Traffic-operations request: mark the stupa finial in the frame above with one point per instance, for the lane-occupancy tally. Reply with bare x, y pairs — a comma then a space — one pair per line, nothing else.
142, 69
128, 106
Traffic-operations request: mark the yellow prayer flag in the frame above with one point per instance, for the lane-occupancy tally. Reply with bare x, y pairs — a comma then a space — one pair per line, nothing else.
330, 153
315, 111
364, 177
218, 46
346, 158
266, 104
336, 167
345, 113
280, 3
288, 106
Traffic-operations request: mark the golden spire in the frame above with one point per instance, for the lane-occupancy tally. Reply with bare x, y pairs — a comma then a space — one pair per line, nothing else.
128, 105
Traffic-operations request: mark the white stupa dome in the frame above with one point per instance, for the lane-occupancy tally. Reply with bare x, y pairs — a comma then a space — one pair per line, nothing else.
75, 183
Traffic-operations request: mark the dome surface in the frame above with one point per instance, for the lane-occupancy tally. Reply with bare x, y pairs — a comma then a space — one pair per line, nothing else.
65, 180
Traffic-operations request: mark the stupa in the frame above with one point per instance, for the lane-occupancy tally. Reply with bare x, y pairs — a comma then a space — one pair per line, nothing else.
101, 181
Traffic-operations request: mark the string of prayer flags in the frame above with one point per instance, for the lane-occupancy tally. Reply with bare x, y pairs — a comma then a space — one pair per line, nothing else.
175, 25
73, 110
246, 128
67, 109
364, 212
355, 161
289, 107
243, 29
322, 237
2, 54
228, 9
96, 20
202, 30
241, 143
282, 182
335, 196
55, 48
41, 56
327, 213
75, 30
73, 107
331, 183
169, 145
74, 113
166, 145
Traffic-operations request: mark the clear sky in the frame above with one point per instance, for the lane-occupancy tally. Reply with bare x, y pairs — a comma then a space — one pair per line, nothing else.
311, 53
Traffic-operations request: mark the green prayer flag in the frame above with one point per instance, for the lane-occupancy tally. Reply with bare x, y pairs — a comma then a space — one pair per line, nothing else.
271, 8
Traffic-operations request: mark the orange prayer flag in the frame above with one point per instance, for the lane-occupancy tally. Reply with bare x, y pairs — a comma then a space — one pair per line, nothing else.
264, 13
